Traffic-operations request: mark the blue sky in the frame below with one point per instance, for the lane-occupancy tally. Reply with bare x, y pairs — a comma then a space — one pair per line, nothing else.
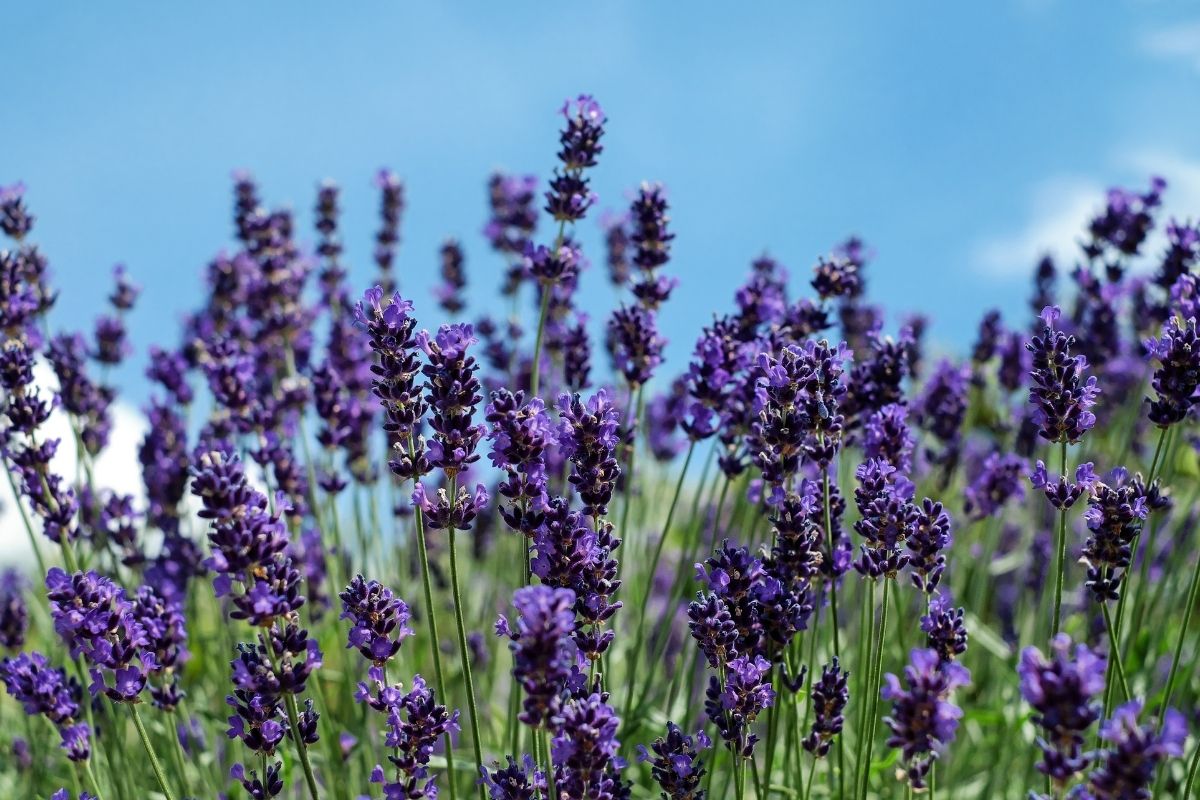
958, 143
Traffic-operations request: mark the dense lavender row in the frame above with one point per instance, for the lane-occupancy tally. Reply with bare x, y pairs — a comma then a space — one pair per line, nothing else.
813, 563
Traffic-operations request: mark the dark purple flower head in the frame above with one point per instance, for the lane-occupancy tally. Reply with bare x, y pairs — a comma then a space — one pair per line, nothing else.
581, 138
166, 637
836, 277
584, 750
879, 370
41, 688
14, 615
125, 293
415, 723
452, 391
1177, 378
391, 209
887, 437
888, 517
733, 706
1134, 751
516, 781
945, 631
1062, 493
169, 369
830, 693
1127, 219
999, 480
269, 785
1062, 396
927, 541
923, 721
81, 397
512, 200
15, 219
544, 654
635, 344
713, 628
454, 278
941, 408
675, 763
380, 619
588, 435
616, 246
651, 241
441, 512
520, 434
552, 266
1062, 689
1114, 518
988, 338
719, 356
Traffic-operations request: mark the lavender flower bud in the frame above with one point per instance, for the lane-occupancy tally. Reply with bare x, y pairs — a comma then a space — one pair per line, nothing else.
923, 721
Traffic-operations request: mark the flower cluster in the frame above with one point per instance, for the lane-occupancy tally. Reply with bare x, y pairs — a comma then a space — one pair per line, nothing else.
923, 719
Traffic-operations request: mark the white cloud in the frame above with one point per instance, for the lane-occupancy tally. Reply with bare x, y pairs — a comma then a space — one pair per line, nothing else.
1178, 42
117, 468
1060, 208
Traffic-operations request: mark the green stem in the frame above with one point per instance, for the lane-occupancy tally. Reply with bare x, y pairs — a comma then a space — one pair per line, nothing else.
91, 777
154, 763
1115, 647
1060, 566
1187, 790
464, 651
431, 624
876, 677
535, 372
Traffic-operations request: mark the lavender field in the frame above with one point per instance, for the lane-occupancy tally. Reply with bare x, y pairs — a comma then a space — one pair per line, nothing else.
393, 545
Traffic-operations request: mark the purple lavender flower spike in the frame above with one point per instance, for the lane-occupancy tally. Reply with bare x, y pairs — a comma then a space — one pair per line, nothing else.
835, 278
884, 500
588, 435
1062, 396
544, 653
923, 721
452, 392
1176, 381
516, 781
1114, 518
651, 241
928, 538
941, 408
584, 750
734, 706
520, 434
1134, 751
454, 279
997, 482
887, 437
380, 619
830, 693
635, 345
415, 722
15, 219
41, 688
1062, 689
1063, 493
675, 763
945, 631
269, 785
391, 209
14, 614
616, 247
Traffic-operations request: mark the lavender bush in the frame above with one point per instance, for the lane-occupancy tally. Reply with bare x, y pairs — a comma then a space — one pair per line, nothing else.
810, 562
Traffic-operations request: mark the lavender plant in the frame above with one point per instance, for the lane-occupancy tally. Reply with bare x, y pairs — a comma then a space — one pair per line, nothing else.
858, 570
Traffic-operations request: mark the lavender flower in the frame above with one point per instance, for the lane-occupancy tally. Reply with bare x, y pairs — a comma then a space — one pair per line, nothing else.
415, 722
652, 245
14, 615
887, 437
675, 763
391, 208
1063, 398
1114, 518
635, 344
15, 219
380, 619
941, 409
516, 781
928, 538
884, 500
713, 628
584, 750
1063, 493
1062, 690
544, 653
616, 246
734, 706
520, 434
923, 721
513, 220
1177, 378
452, 392
569, 197
588, 436
1134, 752
837, 277
945, 631
998, 481
830, 694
